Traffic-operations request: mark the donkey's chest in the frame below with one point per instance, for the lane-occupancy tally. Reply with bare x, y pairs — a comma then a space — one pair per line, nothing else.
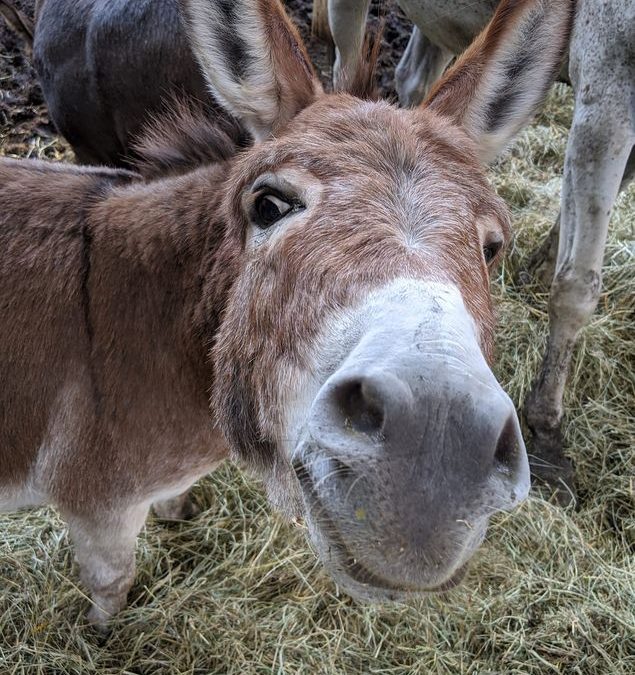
100, 448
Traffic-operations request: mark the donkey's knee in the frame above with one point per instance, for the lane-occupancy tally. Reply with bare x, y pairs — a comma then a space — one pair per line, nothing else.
105, 552
574, 297
420, 66
109, 585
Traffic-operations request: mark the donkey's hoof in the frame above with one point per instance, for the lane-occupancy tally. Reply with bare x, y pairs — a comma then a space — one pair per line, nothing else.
99, 621
178, 508
547, 461
558, 478
548, 464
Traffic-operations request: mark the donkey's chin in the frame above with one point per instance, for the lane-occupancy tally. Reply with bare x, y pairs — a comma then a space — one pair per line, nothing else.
366, 586
364, 580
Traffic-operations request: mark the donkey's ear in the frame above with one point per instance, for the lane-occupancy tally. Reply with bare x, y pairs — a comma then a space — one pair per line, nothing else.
253, 59
495, 87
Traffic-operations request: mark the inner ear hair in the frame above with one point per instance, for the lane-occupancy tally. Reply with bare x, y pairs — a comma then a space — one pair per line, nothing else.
496, 86
253, 59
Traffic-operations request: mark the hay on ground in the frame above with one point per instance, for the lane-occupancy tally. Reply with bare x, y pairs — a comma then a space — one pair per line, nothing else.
237, 591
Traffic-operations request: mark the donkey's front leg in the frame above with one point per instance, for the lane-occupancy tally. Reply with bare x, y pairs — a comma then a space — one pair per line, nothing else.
598, 150
420, 67
105, 547
541, 264
347, 21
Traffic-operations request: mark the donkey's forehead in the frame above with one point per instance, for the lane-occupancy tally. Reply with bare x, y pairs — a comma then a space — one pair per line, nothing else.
402, 166
340, 135
385, 132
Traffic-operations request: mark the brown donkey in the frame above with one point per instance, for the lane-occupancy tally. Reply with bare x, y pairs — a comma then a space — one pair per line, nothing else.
328, 287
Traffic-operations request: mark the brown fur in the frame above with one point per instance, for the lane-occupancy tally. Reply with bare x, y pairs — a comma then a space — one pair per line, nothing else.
183, 137
275, 294
145, 262
291, 59
127, 303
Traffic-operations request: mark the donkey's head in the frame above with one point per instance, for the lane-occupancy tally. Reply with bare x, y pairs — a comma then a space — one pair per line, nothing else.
352, 360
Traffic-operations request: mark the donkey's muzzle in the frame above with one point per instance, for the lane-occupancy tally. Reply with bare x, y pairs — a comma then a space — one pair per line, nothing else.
448, 433
409, 447
402, 476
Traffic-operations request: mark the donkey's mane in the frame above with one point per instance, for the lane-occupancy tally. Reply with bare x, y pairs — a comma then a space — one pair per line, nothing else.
186, 135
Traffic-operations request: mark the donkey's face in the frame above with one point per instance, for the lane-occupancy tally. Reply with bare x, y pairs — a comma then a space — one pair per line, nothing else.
356, 333
352, 363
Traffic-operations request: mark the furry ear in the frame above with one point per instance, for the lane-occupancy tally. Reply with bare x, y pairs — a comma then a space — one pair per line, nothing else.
495, 87
253, 59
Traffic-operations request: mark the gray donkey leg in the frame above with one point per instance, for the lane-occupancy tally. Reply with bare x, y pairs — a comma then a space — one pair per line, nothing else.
347, 21
541, 264
598, 155
420, 66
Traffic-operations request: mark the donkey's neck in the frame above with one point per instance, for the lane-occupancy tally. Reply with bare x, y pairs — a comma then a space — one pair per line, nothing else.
153, 249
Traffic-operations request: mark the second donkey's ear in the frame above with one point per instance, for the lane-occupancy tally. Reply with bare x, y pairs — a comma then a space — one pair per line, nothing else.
253, 60
496, 86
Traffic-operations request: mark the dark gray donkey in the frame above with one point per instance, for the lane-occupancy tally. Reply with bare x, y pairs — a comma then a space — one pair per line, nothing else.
107, 67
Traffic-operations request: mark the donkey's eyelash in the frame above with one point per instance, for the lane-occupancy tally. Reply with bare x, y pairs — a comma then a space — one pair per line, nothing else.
293, 201
259, 191
268, 209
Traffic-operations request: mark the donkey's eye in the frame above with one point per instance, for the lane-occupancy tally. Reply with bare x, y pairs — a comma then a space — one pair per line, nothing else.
490, 251
269, 209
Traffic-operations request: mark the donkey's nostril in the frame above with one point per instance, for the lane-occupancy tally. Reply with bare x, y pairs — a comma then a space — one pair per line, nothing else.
360, 405
508, 448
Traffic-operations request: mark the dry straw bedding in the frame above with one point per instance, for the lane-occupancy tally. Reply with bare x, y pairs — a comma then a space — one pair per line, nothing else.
238, 591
